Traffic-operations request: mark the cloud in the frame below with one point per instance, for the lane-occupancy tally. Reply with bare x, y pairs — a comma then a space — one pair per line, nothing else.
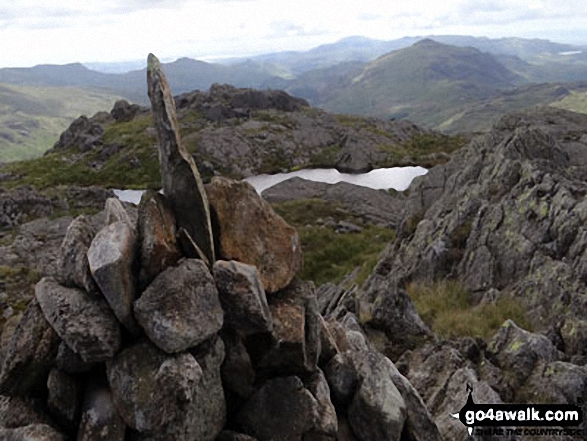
285, 28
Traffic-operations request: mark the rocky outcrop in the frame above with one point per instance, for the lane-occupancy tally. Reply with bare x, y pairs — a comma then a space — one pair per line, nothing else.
181, 179
373, 206
253, 233
82, 135
22, 205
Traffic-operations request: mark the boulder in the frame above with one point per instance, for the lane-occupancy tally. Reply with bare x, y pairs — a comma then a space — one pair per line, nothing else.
64, 398
29, 355
282, 409
574, 335
33, 432
242, 296
157, 236
377, 411
22, 205
112, 256
251, 232
73, 269
182, 183
517, 352
229, 435
83, 322
123, 111
180, 309
100, 420
556, 382
151, 388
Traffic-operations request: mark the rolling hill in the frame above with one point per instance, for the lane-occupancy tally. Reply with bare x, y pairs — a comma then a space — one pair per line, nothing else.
32, 117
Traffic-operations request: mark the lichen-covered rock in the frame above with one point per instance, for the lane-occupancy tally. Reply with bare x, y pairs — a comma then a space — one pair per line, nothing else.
252, 233
64, 398
377, 411
282, 409
29, 355
517, 351
181, 308
242, 296
84, 323
100, 420
33, 432
157, 236
182, 183
574, 335
151, 388
112, 256
73, 267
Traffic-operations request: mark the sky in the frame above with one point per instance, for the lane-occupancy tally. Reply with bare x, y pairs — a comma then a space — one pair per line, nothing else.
66, 31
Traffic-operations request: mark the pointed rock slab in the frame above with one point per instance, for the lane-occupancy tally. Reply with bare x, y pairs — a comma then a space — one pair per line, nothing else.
115, 212
157, 235
111, 256
181, 180
251, 232
84, 322
181, 308
151, 388
73, 269
29, 355
242, 296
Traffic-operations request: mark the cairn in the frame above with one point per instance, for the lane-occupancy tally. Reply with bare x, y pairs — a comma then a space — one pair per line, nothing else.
143, 335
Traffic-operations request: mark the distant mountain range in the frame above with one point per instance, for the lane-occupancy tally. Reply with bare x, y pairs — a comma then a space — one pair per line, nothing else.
451, 83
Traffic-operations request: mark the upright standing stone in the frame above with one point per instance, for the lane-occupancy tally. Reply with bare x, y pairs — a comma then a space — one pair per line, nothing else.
182, 184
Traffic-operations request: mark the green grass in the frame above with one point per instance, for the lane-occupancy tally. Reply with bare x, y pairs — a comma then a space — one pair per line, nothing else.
329, 256
424, 149
302, 212
33, 117
447, 308
576, 101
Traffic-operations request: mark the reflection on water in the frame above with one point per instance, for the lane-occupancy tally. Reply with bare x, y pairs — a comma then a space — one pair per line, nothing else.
398, 178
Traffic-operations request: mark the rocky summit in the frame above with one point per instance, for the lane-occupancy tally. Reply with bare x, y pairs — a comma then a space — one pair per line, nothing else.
187, 319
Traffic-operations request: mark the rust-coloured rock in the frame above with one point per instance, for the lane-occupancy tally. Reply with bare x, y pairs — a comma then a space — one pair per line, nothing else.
251, 232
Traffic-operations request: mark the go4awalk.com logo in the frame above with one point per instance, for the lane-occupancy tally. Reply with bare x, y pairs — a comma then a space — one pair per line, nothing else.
520, 419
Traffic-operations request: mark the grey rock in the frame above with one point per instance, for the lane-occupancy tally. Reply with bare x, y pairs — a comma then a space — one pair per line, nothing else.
517, 352
100, 419
29, 355
111, 257
157, 236
83, 134
556, 382
242, 296
342, 379
229, 435
123, 111
182, 183
18, 412
33, 432
8, 329
373, 206
151, 388
328, 347
327, 423
64, 398
73, 266
115, 212
254, 234
181, 308
83, 322
281, 409
22, 205
377, 410
574, 335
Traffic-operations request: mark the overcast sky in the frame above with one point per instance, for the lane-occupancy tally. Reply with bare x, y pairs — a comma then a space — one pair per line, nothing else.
63, 31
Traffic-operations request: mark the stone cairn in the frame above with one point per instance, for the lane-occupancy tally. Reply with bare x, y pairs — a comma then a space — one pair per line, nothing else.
143, 335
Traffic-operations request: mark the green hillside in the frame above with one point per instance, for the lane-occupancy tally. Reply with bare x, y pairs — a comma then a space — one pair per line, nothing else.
424, 83
33, 117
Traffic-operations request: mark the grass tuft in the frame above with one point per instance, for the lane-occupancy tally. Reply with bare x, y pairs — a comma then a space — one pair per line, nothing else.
446, 306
